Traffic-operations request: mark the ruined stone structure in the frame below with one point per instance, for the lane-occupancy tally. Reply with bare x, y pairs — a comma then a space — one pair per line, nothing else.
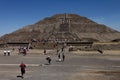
63, 28
65, 23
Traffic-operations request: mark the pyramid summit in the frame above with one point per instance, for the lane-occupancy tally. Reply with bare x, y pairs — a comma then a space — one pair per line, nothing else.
63, 27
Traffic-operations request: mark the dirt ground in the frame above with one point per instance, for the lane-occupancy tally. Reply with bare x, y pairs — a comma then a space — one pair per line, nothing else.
97, 75
87, 73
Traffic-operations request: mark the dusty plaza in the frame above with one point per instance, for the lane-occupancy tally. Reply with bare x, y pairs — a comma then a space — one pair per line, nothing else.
78, 65
61, 47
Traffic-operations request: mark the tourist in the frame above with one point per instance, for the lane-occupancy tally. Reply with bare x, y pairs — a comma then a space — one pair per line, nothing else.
62, 49
57, 51
8, 52
44, 51
22, 67
24, 52
5, 52
63, 56
53, 46
48, 59
59, 56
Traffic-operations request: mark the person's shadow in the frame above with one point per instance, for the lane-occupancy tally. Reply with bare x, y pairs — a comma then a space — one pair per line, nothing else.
20, 76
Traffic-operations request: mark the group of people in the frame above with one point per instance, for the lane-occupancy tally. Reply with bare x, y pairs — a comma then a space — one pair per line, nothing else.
60, 53
23, 66
61, 57
22, 50
7, 52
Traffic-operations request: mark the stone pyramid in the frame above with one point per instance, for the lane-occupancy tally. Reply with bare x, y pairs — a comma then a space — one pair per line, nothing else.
63, 27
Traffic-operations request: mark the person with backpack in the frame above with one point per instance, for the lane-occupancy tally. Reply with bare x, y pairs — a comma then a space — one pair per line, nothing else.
48, 59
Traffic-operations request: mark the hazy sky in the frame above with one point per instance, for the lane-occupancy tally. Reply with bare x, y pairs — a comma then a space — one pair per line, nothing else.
15, 14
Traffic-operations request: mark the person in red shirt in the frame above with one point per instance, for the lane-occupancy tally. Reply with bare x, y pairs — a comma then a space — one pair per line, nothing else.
22, 67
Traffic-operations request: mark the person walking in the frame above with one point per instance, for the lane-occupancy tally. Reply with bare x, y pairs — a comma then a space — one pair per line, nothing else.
24, 51
59, 56
62, 49
44, 52
63, 56
48, 59
57, 51
8, 52
22, 67
5, 52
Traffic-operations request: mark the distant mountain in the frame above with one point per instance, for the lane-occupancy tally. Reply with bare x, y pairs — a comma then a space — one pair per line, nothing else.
70, 27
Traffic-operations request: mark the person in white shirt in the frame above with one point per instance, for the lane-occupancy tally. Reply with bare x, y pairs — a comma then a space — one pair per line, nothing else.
5, 52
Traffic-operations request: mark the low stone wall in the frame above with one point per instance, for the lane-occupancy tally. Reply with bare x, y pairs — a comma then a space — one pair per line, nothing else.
98, 46
107, 46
